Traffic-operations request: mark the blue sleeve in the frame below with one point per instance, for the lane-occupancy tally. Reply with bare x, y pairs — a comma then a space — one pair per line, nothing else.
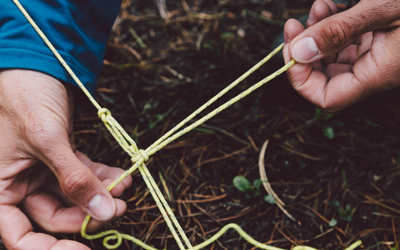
78, 29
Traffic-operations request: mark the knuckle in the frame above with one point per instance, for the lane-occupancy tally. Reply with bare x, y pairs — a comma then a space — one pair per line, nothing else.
336, 34
77, 184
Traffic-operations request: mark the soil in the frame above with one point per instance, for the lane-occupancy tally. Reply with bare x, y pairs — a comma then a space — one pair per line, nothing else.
343, 166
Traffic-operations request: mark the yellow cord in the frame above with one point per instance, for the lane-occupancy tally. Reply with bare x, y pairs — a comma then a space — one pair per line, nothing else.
139, 156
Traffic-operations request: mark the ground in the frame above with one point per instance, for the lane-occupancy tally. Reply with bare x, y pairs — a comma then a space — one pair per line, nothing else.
164, 61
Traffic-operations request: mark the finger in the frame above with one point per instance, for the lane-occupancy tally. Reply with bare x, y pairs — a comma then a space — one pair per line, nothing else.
117, 190
320, 10
16, 233
378, 69
318, 66
76, 180
335, 69
50, 214
46, 130
104, 172
365, 44
54, 189
328, 60
332, 6
371, 75
349, 55
335, 33
298, 73
292, 29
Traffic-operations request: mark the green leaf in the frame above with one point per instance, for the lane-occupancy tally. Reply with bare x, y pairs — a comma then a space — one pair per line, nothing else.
333, 222
328, 132
257, 184
347, 213
335, 204
270, 199
317, 112
242, 184
346, 217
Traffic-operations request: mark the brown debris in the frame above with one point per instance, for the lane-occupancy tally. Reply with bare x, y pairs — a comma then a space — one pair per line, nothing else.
191, 53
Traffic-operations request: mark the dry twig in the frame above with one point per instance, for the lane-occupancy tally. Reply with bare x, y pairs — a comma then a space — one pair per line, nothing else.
265, 182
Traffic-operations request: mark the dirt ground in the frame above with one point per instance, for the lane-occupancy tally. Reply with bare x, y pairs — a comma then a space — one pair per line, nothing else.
165, 61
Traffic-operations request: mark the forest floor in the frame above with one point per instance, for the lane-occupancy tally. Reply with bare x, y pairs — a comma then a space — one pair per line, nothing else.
338, 174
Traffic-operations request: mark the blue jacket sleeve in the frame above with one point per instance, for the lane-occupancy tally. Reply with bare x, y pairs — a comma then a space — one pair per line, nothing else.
78, 29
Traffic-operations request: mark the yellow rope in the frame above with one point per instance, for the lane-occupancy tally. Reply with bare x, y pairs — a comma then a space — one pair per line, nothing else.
139, 156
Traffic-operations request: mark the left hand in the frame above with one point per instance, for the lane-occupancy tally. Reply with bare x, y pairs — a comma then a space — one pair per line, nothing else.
42, 177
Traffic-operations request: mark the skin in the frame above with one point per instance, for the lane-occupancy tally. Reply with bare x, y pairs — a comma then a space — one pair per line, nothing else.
42, 177
358, 52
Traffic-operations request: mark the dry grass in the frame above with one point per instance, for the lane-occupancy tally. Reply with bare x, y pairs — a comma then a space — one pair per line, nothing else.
185, 53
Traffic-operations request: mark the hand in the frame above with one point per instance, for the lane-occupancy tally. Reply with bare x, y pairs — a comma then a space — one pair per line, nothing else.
41, 177
344, 58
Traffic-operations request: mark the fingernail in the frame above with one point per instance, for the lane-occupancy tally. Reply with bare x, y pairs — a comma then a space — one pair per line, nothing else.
311, 18
101, 207
305, 49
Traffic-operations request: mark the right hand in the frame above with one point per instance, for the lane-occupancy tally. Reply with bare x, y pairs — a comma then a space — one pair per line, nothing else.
42, 177
344, 58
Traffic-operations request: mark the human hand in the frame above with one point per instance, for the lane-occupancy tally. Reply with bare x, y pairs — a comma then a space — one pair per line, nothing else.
41, 177
344, 58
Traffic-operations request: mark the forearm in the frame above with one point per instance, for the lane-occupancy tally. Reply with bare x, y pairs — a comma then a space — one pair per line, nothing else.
79, 29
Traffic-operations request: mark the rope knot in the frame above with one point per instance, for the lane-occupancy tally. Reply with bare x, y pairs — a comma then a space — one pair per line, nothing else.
103, 113
141, 154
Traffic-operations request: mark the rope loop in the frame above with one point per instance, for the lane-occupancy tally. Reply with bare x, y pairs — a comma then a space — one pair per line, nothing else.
142, 154
115, 236
139, 155
103, 113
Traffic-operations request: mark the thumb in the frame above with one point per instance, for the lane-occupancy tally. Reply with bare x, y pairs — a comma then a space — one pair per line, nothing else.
78, 182
336, 32
43, 116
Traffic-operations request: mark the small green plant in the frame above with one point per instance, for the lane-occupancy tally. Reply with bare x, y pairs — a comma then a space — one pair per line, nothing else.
328, 132
244, 185
346, 213
270, 199
328, 123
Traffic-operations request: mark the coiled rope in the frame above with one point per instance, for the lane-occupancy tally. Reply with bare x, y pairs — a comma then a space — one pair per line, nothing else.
139, 156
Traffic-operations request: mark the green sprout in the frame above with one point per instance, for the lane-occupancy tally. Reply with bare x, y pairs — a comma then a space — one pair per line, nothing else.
251, 190
345, 214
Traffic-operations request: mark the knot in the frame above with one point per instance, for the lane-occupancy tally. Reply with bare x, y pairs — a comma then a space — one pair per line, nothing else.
103, 113
141, 154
